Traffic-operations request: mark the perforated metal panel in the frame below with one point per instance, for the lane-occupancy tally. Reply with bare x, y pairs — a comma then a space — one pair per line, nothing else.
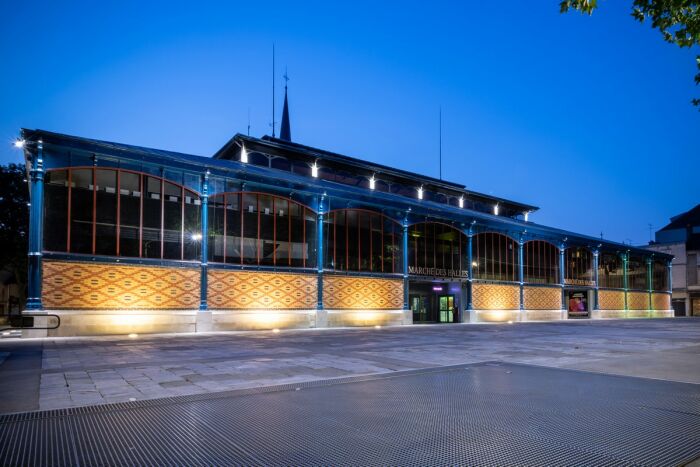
486, 414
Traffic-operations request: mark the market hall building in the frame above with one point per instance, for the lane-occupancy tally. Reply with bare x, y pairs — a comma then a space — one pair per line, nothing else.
270, 234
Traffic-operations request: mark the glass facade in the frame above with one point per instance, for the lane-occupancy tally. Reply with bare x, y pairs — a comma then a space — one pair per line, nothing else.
115, 212
578, 266
637, 273
261, 229
436, 245
495, 257
660, 275
541, 262
364, 241
610, 271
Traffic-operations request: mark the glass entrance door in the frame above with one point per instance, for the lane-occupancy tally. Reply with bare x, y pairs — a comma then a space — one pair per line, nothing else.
446, 306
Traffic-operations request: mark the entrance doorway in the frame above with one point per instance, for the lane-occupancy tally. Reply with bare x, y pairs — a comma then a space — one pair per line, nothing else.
579, 303
435, 302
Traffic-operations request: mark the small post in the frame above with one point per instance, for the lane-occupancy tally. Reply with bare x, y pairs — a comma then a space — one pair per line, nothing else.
521, 275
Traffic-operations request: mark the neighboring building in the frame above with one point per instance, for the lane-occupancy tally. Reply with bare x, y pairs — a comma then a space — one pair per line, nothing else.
268, 233
681, 238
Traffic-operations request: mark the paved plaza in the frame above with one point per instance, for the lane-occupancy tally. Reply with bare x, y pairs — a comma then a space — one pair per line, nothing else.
613, 392
70, 372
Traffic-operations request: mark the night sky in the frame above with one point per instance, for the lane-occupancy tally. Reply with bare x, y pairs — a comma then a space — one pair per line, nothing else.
587, 117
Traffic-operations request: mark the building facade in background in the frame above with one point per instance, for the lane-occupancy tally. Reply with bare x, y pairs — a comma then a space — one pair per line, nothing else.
681, 238
268, 234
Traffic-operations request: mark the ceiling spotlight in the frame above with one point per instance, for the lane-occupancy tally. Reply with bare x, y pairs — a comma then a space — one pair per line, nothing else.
196, 237
420, 193
461, 201
314, 170
372, 183
244, 155
19, 143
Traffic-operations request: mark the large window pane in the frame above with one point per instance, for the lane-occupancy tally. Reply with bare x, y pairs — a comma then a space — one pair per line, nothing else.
193, 227
172, 218
267, 230
129, 213
216, 229
106, 212
541, 262
610, 271
637, 275
234, 237
152, 218
250, 228
81, 211
660, 276
578, 266
56, 210
495, 257
282, 231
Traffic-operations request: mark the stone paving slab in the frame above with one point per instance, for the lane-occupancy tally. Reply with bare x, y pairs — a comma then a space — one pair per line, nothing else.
87, 371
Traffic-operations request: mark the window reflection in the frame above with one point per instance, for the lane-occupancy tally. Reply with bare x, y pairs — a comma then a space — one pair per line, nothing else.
495, 257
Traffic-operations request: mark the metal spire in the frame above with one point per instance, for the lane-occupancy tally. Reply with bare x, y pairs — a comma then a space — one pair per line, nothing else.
285, 131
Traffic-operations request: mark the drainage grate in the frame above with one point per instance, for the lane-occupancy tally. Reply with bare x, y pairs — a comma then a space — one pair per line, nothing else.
481, 414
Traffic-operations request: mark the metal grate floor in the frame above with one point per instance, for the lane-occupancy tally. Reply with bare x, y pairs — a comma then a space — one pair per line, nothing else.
484, 414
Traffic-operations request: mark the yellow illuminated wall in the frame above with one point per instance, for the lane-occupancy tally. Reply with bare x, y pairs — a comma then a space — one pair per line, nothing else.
637, 300
362, 293
611, 299
245, 290
542, 298
74, 286
495, 296
661, 301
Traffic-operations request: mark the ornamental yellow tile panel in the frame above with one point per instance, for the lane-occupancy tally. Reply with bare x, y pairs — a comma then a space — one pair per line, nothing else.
248, 290
542, 298
611, 299
661, 301
74, 286
362, 293
637, 300
495, 296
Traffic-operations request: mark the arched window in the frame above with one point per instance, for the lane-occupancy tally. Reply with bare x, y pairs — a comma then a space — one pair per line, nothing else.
637, 275
541, 261
436, 245
578, 266
261, 229
495, 257
104, 211
660, 275
610, 271
359, 240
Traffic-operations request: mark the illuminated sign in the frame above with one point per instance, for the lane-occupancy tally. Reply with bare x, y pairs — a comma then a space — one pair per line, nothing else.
579, 282
438, 272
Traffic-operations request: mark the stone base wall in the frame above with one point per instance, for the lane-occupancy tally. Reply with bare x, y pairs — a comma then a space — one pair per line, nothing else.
602, 314
254, 320
545, 315
494, 316
111, 322
340, 318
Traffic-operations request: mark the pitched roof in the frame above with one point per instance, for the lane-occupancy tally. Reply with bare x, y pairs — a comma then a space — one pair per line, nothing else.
688, 218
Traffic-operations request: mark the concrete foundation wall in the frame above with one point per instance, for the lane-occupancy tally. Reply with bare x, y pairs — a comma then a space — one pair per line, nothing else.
105, 322
339, 318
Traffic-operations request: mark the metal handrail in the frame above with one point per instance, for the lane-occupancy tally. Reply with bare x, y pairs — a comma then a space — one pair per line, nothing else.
48, 328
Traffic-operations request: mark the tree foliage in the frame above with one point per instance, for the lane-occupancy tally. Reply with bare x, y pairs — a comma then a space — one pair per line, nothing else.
677, 20
14, 223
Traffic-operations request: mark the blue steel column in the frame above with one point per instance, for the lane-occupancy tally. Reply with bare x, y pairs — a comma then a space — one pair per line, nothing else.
470, 269
562, 249
319, 254
624, 276
595, 280
404, 260
670, 283
204, 244
36, 220
650, 280
521, 273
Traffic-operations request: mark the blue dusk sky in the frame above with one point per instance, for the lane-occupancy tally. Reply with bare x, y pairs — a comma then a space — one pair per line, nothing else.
587, 117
